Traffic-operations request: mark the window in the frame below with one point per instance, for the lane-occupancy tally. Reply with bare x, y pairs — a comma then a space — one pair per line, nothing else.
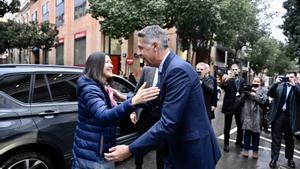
45, 12
80, 8
60, 54
17, 86
60, 12
121, 85
63, 87
79, 51
34, 16
41, 92
115, 46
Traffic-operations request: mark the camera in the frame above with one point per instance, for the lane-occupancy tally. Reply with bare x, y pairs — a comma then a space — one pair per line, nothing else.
247, 88
284, 79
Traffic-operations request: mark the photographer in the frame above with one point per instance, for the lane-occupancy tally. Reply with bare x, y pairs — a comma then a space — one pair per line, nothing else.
283, 116
254, 97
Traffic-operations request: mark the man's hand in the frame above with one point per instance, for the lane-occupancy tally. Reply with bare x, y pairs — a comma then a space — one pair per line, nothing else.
212, 108
118, 153
133, 117
292, 82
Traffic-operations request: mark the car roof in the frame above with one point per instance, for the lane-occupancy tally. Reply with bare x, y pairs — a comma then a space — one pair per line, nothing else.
28, 68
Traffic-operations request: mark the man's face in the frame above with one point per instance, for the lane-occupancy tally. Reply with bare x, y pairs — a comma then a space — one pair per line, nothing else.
291, 76
147, 52
235, 70
200, 68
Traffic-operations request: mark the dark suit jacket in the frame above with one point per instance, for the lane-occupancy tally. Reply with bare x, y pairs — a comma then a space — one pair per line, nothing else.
209, 86
294, 97
184, 124
230, 98
149, 115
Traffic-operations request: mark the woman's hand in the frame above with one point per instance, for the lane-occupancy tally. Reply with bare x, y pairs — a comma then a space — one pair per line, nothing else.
133, 117
144, 95
119, 96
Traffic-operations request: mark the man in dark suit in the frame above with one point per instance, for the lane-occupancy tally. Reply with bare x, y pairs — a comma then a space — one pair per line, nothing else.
184, 125
232, 104
283, 113
144, 118
209, 87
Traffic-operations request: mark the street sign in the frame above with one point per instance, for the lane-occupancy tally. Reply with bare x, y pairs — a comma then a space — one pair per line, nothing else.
129, 61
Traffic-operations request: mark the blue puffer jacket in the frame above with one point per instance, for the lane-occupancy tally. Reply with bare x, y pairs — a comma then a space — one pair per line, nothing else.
96, 128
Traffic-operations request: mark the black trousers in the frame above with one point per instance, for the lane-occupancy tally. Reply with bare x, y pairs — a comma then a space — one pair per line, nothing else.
227, 127
281, 125
145, 122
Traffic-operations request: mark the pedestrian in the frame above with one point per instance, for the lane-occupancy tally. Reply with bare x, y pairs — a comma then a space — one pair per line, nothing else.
131, 78
232, 85
98, 113
284, 109
146, 117
254, 99
209, 87
184, 126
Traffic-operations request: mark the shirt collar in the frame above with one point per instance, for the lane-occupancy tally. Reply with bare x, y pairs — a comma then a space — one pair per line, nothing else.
163, 61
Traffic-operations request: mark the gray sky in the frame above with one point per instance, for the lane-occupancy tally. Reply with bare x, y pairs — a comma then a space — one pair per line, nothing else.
277, 6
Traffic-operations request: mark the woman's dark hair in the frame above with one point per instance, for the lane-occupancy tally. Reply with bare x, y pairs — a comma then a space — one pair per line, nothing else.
94, 66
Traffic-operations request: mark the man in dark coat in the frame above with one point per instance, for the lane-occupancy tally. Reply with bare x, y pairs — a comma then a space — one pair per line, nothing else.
232, 104
283, 114
209, 86
144, 118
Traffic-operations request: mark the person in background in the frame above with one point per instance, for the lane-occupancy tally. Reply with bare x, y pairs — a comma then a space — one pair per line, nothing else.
232, 104
251, 115
284, 110
131, 78
98, 113
209, 87
184, 126
146, 117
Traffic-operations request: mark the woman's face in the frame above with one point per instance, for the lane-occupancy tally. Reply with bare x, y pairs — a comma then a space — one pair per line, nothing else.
108, 67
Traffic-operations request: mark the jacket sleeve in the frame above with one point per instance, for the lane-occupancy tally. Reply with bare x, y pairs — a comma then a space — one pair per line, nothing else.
94, 102
208, 85
272, 90
215, 94
177, 90
262, 98
297, 90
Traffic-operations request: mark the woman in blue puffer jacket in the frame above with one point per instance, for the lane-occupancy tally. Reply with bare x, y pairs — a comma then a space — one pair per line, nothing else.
98, 115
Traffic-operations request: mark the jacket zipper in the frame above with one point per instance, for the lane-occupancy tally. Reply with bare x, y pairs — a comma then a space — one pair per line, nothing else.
101, 145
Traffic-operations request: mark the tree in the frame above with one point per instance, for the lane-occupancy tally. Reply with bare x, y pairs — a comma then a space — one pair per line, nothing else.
240, 24
6, 7
24, 35
267, 53
291, 27
196, 22
120, 18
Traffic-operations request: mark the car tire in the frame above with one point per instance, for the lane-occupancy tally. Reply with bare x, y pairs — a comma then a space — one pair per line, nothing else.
33, 159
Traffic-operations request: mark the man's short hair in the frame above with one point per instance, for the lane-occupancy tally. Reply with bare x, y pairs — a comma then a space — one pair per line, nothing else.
154, 32
292, 72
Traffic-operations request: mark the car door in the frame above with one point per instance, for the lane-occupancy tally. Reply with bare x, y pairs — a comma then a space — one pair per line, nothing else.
126, 130
54, 105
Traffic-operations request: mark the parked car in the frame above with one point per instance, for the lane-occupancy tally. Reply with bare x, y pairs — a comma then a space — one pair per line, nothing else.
38, 115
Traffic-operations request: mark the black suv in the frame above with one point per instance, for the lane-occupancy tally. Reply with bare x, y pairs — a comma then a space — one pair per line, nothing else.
38, 115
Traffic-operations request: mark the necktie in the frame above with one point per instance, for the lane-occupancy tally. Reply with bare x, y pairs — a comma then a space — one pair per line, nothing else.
283, 96
158, 78
237, 84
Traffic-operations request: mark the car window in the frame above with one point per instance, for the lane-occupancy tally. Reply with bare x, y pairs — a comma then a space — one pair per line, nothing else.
63, 87
17, 86
41, 90
122, 85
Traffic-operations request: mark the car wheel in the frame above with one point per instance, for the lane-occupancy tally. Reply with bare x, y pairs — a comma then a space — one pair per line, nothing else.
28, 160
